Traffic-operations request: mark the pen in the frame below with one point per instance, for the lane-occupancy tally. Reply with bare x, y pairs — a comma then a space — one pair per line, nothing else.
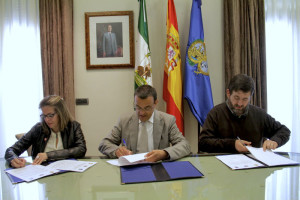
240, 140
124, 143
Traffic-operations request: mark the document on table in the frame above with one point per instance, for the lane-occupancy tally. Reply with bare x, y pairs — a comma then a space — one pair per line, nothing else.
71, 165
33, 172
239, 161
129, 160
260, 159
270, 158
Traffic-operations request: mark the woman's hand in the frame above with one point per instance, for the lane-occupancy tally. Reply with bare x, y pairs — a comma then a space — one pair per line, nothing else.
18, 162
41, 157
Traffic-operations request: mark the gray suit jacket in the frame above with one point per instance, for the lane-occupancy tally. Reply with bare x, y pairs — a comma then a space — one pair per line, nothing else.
165, 132
109, 44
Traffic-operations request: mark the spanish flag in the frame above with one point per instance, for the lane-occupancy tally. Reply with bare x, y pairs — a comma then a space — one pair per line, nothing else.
172, 90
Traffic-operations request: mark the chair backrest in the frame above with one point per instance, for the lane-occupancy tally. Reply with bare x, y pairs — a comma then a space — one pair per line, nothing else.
18, 136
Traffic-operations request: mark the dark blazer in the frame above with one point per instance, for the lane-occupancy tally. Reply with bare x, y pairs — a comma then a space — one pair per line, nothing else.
165, 132
72, 139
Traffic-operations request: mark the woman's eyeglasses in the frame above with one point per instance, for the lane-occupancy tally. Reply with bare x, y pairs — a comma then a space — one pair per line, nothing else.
49, 116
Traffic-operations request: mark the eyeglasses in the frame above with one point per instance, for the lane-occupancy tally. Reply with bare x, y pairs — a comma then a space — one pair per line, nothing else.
49, 116
146, 109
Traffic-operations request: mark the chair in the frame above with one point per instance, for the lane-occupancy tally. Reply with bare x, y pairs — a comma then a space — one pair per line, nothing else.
18, 136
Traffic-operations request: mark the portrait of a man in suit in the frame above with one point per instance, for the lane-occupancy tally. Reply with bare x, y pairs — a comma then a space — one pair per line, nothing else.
109, 40
109, 43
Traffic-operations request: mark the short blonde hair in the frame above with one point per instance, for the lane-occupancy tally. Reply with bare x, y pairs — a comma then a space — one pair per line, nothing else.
61, 110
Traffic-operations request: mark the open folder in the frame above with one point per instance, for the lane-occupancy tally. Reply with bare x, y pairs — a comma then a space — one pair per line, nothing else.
257, 158
163, 171
33, 172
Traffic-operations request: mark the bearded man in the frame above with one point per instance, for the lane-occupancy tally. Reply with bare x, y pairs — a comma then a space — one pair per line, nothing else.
234, 124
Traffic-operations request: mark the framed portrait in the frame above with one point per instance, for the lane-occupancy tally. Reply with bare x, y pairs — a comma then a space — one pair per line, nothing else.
109, 39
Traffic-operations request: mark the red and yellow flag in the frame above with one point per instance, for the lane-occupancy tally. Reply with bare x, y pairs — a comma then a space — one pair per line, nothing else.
172, 91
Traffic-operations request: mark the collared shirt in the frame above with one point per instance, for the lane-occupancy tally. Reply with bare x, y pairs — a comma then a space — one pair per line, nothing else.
149, 127
51, 144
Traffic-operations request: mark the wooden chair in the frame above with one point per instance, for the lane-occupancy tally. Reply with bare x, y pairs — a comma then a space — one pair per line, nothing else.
18, 136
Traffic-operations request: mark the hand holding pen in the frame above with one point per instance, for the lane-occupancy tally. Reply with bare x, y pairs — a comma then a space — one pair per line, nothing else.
240, 145
18, 162
123, 151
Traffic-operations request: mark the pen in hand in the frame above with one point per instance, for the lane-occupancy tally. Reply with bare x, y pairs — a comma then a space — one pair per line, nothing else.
124, 143
244, 147
241, 141
123, 151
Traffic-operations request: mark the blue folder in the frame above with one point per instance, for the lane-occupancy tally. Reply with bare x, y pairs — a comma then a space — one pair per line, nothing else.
13, 178
163, 171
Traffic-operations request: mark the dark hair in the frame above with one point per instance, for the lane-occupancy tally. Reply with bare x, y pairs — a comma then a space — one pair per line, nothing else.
145, 91
60, 108
241, 82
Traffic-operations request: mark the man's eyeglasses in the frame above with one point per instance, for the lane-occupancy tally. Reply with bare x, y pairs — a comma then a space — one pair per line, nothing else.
146, 109
49, 116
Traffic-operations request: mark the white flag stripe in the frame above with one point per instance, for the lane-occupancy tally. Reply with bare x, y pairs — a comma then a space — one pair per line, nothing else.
143, 70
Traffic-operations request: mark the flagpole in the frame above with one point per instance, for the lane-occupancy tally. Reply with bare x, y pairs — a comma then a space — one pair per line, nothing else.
198, 137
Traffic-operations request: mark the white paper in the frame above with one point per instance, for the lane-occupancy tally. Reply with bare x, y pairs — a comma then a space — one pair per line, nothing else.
129, 160
31, 172
114, 162
270, 158
71, 165
239, 161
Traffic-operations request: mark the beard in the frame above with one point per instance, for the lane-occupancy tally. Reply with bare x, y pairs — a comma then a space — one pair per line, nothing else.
238, 110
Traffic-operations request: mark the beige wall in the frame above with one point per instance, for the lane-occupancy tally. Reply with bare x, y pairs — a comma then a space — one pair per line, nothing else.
110, 91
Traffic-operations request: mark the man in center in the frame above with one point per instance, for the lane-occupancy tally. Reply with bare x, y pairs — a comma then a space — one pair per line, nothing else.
146, 130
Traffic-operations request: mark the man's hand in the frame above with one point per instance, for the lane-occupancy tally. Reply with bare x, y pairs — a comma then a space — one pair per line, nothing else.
269, 144
123, 151
156, 155
41, 157
240, 145
18, 162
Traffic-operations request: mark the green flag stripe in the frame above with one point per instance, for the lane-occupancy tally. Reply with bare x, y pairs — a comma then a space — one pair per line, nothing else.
143, 26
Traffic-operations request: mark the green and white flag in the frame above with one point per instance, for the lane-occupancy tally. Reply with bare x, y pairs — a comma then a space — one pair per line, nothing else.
143, 70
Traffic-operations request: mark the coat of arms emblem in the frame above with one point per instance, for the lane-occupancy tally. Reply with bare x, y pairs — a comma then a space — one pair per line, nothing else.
197, 55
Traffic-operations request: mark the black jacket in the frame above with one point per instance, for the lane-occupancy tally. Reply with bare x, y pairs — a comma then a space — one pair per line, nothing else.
72, 139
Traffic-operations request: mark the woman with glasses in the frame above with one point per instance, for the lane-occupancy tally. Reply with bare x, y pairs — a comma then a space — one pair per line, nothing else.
57, 136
